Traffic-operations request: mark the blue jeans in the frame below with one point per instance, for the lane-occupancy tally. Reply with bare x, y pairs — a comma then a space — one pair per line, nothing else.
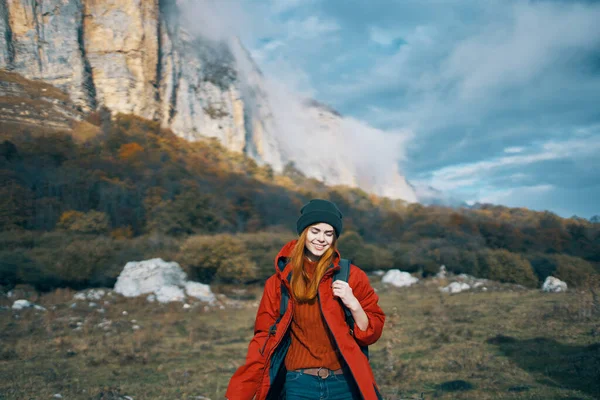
299, 386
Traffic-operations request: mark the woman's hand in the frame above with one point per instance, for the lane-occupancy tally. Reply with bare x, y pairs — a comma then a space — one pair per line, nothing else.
342, 290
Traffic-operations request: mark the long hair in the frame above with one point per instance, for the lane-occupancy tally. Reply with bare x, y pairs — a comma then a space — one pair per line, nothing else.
305, 288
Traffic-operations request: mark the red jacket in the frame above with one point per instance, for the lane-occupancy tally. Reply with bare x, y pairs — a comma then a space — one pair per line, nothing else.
262, 374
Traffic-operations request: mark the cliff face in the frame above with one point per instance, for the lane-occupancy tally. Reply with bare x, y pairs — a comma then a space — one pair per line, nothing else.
132, 56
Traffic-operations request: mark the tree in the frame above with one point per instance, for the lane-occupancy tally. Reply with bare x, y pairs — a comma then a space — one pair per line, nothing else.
504, 266
90, 222
223, 257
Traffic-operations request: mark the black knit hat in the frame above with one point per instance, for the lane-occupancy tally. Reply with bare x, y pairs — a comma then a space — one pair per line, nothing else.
319, 210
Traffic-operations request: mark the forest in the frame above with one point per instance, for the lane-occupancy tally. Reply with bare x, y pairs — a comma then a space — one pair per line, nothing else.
76, 206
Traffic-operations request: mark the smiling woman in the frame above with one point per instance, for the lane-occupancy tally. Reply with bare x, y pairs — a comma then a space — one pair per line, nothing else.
304, 345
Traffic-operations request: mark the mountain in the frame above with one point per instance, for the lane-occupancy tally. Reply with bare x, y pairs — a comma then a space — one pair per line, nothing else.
136, 57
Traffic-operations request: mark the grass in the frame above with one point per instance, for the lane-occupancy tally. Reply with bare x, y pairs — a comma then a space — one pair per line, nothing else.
508, 344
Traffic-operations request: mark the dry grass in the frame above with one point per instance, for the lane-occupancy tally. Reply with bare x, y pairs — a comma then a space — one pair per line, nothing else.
518, 344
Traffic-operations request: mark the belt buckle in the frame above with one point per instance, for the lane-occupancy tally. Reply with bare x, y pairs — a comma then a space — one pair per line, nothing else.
320, 374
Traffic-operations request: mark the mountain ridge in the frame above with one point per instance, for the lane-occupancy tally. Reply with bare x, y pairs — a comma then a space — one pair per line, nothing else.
137, 57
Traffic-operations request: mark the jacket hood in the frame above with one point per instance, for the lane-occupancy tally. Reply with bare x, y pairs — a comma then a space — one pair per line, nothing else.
283, 269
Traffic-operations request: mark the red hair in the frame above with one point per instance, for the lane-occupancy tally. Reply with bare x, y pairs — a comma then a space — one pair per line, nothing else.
305, 288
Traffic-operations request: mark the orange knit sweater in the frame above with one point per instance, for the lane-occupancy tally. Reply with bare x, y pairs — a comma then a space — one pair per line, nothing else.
311, 345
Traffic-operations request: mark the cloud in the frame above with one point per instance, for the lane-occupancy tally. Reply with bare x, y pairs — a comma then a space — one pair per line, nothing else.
515, 149
384, 37
494, 96
310, 27
465, 175
516, 49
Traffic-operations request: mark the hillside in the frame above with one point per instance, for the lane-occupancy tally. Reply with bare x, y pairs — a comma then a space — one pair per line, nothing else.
145, 58
78, 204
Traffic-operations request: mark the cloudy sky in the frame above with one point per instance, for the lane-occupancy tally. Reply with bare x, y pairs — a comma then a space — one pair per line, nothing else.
501, 99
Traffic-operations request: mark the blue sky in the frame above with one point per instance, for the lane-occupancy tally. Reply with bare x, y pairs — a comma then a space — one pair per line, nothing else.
500, 99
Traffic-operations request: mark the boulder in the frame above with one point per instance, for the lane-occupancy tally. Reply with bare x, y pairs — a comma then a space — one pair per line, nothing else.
166, 294
442, 273
21, 304
161, 281
199, 291
554, 285
455, 287
399, 278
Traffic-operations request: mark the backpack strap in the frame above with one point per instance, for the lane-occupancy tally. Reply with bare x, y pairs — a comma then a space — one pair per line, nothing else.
285, 298
344, 274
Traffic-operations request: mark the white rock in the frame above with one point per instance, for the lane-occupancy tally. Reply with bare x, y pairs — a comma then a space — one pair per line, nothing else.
79, 296
186, 306
57, 396
92, 304
399, 278
10, 294
39, 307
124, 313
73, 305
105, 324
21, 304
134, 321
455, 287
135, 327
101, 310
148, 276
170, 293
151, 298
95, 294
442, 272
379, 272
554, 285
199, 291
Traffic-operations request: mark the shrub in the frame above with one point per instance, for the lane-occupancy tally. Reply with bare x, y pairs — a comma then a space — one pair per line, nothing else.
573, 270
371, 257
504, 266
89, 222
220, 256
350, 243
74, 263
262, 247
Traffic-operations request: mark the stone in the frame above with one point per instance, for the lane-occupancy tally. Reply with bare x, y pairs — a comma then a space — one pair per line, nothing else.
554, 285
21, 304
166, 294
399, 278
442, 273
145, 277
456, 287
200, 291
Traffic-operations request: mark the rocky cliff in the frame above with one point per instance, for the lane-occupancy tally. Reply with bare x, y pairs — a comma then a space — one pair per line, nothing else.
133, 56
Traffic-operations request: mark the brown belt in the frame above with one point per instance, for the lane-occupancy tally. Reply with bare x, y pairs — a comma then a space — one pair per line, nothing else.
321, 372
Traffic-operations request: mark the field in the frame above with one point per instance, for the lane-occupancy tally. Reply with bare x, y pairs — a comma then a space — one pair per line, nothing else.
503, 343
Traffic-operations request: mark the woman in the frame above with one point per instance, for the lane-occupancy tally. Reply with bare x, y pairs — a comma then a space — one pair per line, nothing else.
307, 350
